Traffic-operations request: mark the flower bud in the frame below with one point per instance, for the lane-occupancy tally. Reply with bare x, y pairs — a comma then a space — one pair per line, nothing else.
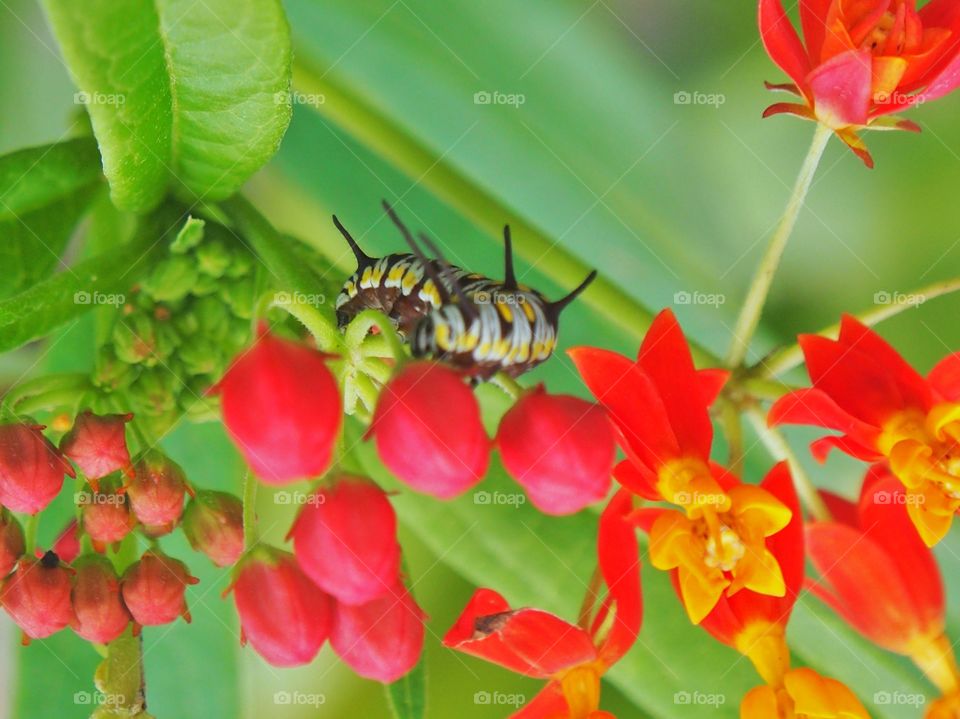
561, 449
282, 408
382, 639
100, 615
345, 540
213, 523
31, 469
284, 615
12, 545
153, 589
37, 596
98, 444
428, 430
67, 544
106, 516
156, 492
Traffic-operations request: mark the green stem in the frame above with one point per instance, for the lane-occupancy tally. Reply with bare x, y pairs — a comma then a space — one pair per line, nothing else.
781, 450
120, 675
360, 327
787, 358
733, 431
250, 534
30, 533
752, 309
43, 387
508, 384
318, 324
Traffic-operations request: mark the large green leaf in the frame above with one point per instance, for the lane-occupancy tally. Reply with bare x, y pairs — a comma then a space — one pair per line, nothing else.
180, 92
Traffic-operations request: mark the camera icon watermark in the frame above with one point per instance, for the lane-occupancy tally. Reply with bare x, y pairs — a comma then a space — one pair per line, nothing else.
82, 499
301, 699
509, 299
883, 496
500, 699
709, 299
499, 499
82, 297
495, 97
298, 498
695, 97
699, 499
83, 698
899, 699
99, 98
697, 698
290, 299
295, 97
907, 299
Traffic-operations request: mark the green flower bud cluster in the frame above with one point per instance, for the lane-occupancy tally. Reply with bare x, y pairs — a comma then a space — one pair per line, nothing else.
180, 327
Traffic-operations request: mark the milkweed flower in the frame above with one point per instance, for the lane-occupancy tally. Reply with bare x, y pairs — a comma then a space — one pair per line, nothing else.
539, 644
885, 410
100, 614
861, 62
97, 444
879, 576
31, 468
153, 589
803, 693
659, 403
37, 596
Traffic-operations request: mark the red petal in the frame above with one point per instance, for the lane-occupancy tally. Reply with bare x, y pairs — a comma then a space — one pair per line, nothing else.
527, 641
633, 402
665, 357
856, 144
841, 89
789, 108
620, 566
813, 17
820, 449
637, 479
815, 407
782, 87
944, 378
781, 41
712, 381
841, 509
548, 704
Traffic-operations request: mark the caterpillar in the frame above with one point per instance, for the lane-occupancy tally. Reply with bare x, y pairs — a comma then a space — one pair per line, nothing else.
476, 324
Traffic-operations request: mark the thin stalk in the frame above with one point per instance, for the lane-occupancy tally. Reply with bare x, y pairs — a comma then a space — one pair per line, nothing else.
778, 446
787, 358
30, 533
733, 431
752, 309
360, 326
590, 598
508, 384
250, 534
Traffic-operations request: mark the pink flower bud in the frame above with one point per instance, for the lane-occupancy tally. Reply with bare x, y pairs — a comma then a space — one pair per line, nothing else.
284, 615
345, 539
37, 596
31, 469
98, 444
282, 408
382, 639
428, 430
156, 492
153, 589
213, 523
67, 544
561, 449
12, 545
100, 613
106, 516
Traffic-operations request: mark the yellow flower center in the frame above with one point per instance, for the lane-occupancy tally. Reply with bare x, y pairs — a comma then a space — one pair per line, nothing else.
581, 689
689, 483
723, 547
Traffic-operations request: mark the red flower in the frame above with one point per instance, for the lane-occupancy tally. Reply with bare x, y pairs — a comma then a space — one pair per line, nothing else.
862, 60
539, 644
156, 492
101, 615
98, 444
37, 596
154, 587
560, 448
284, 615
885, 410
12, 542
31, 469
875, 571
428, 430
282, 408
213, 524
106, 516
67, 544
381, 639
345, 539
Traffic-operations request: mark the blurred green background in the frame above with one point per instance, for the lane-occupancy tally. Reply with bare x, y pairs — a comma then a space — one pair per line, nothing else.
599, 148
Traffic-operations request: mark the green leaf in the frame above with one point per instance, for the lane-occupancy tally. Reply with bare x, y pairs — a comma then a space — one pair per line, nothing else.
100, 280
44, 191
407, 695
178, 91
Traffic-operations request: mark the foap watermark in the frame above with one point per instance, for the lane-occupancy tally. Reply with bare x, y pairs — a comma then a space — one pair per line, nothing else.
908, 299
295, 97
99, 98
883, 496
499, 298
99, 498
899, 699
82, 297
499, 699
299, 699
297, 498
99, 699
486, 97
699, 499
710, 299
698, 698
695, 97
289, 299
500, 499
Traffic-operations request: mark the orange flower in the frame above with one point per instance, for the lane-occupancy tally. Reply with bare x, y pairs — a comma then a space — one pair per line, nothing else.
863, 60
803, 694
863, 388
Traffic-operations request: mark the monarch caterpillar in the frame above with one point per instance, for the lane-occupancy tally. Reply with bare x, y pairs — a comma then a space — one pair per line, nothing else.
476, 324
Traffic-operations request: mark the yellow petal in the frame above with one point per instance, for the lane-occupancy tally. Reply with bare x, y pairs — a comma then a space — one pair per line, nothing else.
700, 591
760, 572
760, 510
817, 696
932, 525
759, 703
671, 540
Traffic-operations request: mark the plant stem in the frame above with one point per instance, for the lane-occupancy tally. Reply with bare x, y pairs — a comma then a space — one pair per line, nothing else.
787, 358
508, 384
360, 327
760, 286
781, 450
325, 332
30, 533
250, 535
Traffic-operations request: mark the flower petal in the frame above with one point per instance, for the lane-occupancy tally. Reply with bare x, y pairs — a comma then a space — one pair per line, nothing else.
638, 479
817, 408
817, 696
620, 566
841, 89
548, 704
813, 18
945, 378
781, 40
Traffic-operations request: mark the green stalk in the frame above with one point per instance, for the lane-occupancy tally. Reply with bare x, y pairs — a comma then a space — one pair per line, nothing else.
752, 309
250, 534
